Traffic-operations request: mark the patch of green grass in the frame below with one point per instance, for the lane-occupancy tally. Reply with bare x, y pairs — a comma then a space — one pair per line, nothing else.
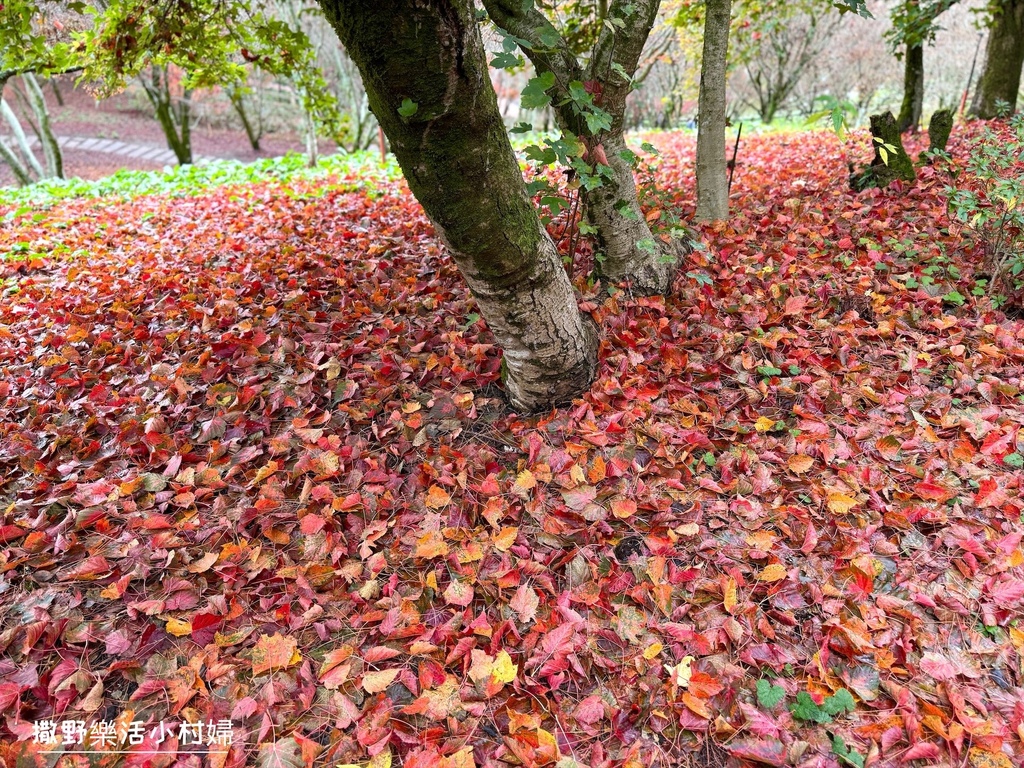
182, 181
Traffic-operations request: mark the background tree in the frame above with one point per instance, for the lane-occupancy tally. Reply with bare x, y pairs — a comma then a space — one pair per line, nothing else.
914, 25
712, 187
21, 157
585, 71
172, 102
1004, 57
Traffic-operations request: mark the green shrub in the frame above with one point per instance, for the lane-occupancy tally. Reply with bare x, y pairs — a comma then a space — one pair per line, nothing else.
986, 199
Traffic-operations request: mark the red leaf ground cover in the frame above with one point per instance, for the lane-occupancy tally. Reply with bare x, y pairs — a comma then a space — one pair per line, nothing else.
255, 467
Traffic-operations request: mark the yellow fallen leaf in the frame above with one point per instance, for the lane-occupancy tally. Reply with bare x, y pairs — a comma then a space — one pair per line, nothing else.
375, 682
525, 481
840, 503
729, 594
679, 674
179, 628
505, 538
503, 670
764, 424
430, 544
437, 497
623, 508
773, 572
380, 760
698, 706
653, 650
274, 652
800, 463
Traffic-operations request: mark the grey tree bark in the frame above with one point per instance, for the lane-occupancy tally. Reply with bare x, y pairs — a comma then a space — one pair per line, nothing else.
1004, 57
426, 58
712, 185
51, 149
631, 252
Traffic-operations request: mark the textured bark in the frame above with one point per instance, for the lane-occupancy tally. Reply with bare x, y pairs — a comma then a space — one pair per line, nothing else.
913, 88
630, 251
1004, 57
51, 149
23, 170
939, 128
712, 185
898, 165
457, 159
176, 123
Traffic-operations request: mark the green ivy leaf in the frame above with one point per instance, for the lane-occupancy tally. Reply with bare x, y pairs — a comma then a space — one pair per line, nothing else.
506, 60
769, 696
408, 108
806, 709
534, 96
839, 703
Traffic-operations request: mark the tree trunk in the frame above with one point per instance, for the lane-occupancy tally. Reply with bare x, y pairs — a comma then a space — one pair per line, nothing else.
173, 123
426, 58
1004, 56
939, 128
51, 149
891, 160
31, 163
238, 102
712, 185
630, 251
913, 88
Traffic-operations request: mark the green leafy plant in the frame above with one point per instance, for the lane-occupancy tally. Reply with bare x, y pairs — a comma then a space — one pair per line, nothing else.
769, 696
186, 180
807, 709
844, 753
986, 203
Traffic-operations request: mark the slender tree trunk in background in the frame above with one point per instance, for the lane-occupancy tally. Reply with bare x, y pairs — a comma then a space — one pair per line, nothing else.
23, 170
176, 124
712, 185
1004, 57
51, 149
913, 88
56, 91
456, 156
251, 133
631, 252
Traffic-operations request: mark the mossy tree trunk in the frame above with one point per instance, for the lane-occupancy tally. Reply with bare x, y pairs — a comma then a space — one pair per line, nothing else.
631, 252
712, 185
891, 160
939, 128
51, 148
1004, 57
426, 58
913, 88
174, 119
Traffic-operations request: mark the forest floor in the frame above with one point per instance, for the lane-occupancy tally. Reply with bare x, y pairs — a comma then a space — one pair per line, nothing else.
127, 117
255, 467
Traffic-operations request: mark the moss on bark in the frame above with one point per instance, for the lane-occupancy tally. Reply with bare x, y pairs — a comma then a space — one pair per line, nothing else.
1004, 57
913, 88
885, 168
455, 154
939, 128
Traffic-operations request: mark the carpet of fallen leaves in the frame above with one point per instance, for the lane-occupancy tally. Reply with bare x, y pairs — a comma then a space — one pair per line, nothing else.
255, 466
